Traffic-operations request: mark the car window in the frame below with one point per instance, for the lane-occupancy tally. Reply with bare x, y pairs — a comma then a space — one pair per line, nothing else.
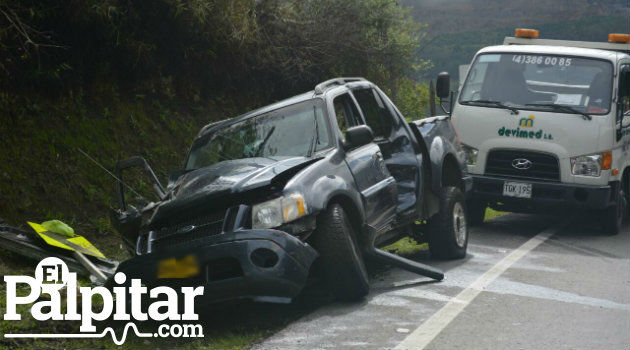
346, 112
376, 114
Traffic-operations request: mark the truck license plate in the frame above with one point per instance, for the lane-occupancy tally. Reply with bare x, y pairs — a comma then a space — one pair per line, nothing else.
517, 189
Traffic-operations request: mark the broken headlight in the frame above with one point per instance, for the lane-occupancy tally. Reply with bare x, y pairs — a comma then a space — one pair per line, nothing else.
277, 211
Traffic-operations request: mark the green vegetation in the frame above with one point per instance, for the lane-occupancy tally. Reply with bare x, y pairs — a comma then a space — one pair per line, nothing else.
406, 246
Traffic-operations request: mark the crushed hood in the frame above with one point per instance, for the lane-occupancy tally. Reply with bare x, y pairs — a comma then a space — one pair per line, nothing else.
227, 178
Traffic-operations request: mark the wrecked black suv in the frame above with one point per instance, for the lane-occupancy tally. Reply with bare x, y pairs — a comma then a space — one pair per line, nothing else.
324, 177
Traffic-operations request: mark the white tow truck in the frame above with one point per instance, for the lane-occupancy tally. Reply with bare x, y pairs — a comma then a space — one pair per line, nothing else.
545, 125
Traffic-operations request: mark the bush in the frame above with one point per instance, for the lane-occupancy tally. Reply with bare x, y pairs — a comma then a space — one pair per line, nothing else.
196, 50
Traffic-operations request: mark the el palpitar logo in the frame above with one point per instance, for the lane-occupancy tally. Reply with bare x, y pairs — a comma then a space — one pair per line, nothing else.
52, 274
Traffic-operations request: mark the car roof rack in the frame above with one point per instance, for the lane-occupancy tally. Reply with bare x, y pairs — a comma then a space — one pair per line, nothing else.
321, 87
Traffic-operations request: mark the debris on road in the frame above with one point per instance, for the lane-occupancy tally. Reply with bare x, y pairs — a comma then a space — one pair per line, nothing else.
62, 243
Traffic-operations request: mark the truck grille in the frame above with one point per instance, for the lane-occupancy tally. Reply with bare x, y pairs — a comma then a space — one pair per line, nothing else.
186, 231
543, 166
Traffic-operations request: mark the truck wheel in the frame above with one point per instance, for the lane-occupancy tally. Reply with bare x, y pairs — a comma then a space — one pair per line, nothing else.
476, 212
341, 259
612, 218
448, 229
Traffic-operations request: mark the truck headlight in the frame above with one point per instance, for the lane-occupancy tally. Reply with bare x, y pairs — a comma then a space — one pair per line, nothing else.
278, 211
470, 154
591, 164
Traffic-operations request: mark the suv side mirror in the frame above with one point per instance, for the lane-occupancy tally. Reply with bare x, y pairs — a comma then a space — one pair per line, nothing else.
357, 136
443, 85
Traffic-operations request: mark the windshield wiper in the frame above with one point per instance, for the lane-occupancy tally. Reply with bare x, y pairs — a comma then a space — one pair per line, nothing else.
513, 110
315, 136
561, 108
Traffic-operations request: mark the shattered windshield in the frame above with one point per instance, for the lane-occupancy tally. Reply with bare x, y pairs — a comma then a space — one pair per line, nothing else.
296, 130
534, 81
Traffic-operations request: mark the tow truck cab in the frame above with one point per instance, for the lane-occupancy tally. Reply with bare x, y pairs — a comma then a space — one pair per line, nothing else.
545, 125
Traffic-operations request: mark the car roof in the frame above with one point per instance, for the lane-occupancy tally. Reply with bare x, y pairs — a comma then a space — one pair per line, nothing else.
262, 110
319, 92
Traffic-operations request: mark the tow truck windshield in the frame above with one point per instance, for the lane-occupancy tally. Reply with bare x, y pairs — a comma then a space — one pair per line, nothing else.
538, 82
285, 132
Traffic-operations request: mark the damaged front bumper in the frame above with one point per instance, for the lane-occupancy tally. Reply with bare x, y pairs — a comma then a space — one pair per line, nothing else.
263, 265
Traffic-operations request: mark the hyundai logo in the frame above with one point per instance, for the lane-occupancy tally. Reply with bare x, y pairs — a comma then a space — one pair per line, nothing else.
522, 163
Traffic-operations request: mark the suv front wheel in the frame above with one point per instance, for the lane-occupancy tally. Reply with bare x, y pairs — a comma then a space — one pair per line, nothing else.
340, 256
448, 229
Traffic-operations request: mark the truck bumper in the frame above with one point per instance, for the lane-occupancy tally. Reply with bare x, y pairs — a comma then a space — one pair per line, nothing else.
546, 196
263, 265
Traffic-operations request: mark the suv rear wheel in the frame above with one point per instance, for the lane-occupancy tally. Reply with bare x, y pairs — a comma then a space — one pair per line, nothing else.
340, 258
448, 230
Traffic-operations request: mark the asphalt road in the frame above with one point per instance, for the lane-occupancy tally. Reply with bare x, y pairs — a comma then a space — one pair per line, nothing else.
529, 282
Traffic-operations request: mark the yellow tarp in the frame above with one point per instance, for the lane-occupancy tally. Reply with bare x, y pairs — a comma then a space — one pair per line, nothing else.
74, 242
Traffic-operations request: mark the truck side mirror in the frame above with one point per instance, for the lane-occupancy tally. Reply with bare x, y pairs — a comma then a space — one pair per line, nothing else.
623, 99
357, 136
443, 85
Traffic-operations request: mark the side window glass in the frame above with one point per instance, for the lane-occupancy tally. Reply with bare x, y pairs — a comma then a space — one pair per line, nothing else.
624, 90
346, 112
323, 137
375, 112
388, 109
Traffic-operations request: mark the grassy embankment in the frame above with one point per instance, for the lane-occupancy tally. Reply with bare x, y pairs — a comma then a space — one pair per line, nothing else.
44, 177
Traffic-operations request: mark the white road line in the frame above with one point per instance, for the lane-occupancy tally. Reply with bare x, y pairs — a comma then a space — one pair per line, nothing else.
423, 335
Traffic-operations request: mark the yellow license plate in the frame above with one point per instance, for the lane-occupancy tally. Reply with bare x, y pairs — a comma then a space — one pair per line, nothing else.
178, 268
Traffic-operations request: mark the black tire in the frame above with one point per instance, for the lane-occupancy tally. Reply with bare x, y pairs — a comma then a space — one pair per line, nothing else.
476, 212
613, 217
341, 260
448, 229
